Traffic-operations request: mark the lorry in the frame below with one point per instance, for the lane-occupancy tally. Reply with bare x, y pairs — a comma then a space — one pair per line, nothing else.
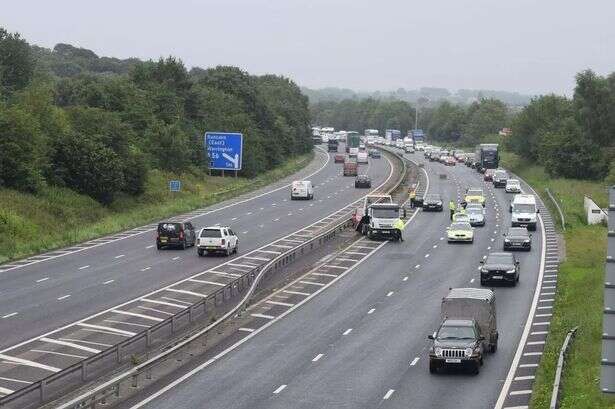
418, 136
408, 145
351, 168
353, 140
468, 329
392, 135
487, 156
376, 217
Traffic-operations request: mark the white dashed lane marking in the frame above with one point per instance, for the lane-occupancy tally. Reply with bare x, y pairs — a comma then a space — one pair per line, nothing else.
280, 389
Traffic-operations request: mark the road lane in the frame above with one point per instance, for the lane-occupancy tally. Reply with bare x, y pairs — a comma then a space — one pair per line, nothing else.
386, 349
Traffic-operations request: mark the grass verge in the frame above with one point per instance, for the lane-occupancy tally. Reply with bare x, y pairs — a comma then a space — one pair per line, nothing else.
58, 217
579, 299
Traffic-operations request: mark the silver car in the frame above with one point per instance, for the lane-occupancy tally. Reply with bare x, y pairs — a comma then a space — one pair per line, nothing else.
476, 214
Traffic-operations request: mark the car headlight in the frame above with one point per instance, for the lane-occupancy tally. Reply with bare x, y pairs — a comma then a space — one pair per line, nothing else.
483, 270
510, 271
438, 351
526, 240
506, 241
439, 203
468, 352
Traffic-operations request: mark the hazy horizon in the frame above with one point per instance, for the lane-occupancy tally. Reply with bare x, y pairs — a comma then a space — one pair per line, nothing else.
518, 47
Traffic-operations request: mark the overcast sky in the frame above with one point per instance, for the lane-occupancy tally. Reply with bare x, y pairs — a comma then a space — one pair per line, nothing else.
529, 46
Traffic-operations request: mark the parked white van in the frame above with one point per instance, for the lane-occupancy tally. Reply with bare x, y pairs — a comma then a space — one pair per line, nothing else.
301, 189
524, 211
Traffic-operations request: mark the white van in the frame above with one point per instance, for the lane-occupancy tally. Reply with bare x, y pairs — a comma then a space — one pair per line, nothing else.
301, 189
524, 211
362, 157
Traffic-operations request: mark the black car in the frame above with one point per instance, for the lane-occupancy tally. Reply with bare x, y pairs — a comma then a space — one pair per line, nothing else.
517, 238
175, 234
374, 153
500, 268
363, 181
433, 202
499, 178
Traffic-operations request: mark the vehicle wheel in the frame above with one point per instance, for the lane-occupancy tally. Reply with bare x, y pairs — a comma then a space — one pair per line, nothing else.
227, 252
183, 246
494, 347
158, 246
433, 368
236, 248
483, 282
200, 252
481, 361
476, 369
517, 280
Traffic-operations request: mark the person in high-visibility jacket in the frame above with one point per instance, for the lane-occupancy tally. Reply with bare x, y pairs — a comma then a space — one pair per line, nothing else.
412, 197
399, 227
452, 207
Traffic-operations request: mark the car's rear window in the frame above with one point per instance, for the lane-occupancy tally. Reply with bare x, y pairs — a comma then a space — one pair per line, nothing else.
475, 192
432, 197
169, 227
211, 233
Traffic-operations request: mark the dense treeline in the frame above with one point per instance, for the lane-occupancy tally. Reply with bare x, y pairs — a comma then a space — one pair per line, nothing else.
571, 137
98, 125
465, 124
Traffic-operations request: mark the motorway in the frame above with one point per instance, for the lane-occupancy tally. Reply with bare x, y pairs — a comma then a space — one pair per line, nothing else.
362, 343
39, 298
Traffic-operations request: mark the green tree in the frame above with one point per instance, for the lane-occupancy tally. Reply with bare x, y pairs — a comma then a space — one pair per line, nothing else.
484, 117
16, 62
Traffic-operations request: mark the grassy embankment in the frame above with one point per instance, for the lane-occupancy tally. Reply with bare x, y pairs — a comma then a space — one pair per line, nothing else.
579, 299
58, 217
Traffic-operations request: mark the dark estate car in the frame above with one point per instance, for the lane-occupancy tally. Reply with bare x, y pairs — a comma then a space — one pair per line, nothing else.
173, 234
499, 267
363, 181
432, 201
374, 153
517, 238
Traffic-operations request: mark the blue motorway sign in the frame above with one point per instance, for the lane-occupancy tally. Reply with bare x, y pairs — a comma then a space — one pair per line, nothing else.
224, 150
175, 185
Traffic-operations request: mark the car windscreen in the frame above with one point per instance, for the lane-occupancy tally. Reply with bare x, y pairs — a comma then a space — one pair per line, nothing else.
512, 182
474, 210
517, 232
211, 233
453, 332
524, 208
169, 227
385, 213
501, 174
461, 226
499, 259
432, 198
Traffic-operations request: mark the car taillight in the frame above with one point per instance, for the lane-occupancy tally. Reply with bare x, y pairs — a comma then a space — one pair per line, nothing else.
223, 241
181, 235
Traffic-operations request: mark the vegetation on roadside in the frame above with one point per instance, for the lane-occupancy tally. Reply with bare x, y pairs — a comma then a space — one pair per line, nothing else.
579, 299
57, 216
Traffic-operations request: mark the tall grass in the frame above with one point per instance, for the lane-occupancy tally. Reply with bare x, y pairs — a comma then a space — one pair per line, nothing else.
579, 298
57, 217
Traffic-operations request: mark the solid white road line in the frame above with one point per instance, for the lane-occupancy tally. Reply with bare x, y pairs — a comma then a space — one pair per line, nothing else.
154, 309
284, 304
185, 303
313, 283
149, 247
280, 389
108, 329
42, 351
195, 280
324, 274
70, 344
127, 323
85, 342
134, 314
6, 391
317, 357
388, 394
186, 292
15, 380
297, 293
27, 362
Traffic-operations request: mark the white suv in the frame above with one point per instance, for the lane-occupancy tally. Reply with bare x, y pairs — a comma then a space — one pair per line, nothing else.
217, 239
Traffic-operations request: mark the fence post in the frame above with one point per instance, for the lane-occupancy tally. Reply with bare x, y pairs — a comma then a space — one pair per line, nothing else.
84, 369
42, 389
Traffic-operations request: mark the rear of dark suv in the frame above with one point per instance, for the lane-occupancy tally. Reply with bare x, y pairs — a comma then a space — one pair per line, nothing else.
175, 234
499, 268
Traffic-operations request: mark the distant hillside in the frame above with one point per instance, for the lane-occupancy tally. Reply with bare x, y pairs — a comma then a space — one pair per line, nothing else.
430, 96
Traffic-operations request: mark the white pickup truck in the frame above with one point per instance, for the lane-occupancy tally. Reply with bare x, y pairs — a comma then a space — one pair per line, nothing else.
217, 239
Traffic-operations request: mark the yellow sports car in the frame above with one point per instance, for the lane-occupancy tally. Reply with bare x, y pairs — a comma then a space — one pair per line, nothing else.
460, 231
475, 195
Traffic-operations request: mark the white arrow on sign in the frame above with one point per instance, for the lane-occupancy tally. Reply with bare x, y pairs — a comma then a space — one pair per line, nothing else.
234, 161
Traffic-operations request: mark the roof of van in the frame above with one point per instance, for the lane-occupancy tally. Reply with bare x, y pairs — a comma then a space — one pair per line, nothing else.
523, 198
474, 293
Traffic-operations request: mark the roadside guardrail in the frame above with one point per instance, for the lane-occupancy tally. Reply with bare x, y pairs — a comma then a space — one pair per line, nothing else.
560, 368
559, 209
57, 384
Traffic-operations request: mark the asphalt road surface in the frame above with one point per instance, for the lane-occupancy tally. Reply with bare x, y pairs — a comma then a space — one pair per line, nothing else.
44, 296
362, 343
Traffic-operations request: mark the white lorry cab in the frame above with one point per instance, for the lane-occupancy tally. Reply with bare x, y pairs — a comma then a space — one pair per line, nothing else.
524, 211
301, 189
